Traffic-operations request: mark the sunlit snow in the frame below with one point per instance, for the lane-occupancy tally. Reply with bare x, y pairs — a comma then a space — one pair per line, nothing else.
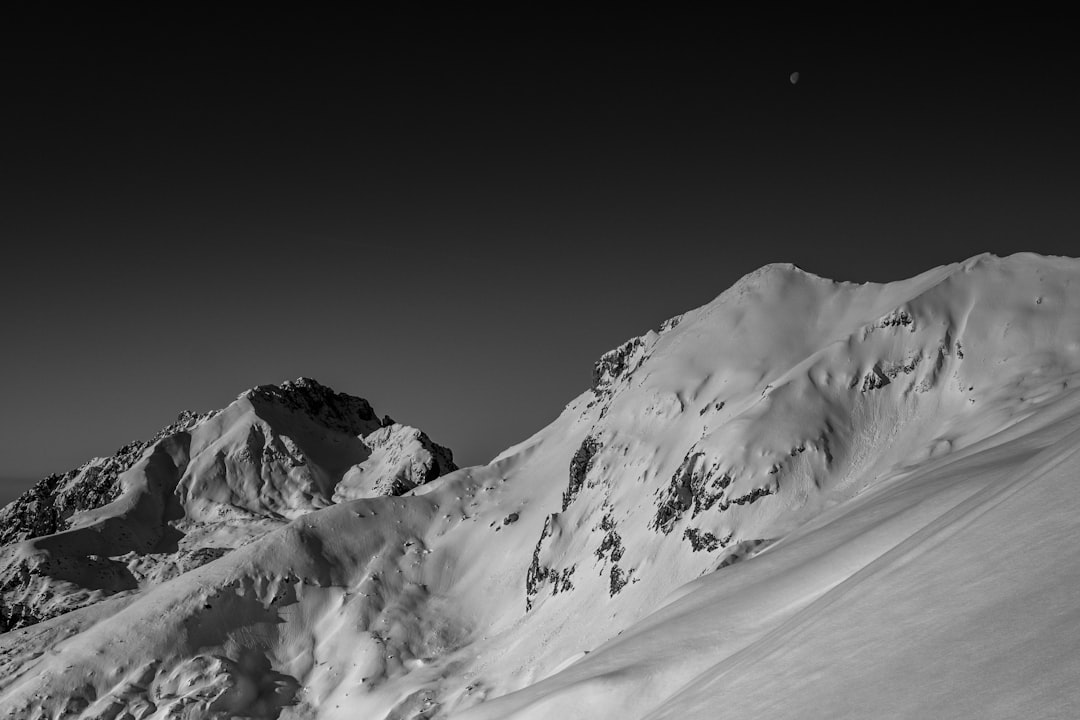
806, 499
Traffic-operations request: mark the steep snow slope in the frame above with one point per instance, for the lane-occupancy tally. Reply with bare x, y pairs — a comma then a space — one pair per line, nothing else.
805, 498
199, 488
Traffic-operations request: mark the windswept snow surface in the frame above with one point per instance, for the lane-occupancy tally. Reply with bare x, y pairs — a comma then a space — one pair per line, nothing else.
806, 499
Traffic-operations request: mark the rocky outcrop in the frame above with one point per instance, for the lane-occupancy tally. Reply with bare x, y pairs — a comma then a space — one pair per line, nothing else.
15, 616
402, 458
899, 317
618, 363
579, 467
611, 550
538, 573
700, 485
703, 540
883, 373
333, 410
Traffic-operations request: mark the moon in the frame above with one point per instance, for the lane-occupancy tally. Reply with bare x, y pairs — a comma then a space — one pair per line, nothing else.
794, 78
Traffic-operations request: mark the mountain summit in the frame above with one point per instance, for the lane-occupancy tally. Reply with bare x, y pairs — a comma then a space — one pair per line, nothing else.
804, 499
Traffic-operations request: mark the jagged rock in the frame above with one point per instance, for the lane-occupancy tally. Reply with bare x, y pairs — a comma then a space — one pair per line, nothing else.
611, 550
692, 485
703, 540
874, 379
561, 581
579, 468
611, 547
333, 410
701, 486
15, 616
618, 363
538, 574
619, 580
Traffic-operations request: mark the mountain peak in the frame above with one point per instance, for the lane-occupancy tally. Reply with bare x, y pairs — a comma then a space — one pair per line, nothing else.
200, 487
336, 411
782, 269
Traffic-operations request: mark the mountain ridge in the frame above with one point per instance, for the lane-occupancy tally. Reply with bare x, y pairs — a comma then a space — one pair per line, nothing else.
193, 491
666, 546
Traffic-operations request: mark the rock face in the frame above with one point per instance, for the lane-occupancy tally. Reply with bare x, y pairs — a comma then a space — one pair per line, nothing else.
337, 412
619, 363
402, 458
196, 489
803, 499
579, 467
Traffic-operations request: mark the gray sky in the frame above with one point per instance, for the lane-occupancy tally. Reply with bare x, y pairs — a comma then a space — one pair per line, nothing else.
456, 227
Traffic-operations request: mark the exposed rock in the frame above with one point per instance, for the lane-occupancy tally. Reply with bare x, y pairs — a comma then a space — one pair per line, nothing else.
579, 467
700, 486
619, 580
750, 497
561, 582
897, 318
611, 547
716, 406
537, 574
886, 371
670, 323
692, 485
874, 379
334, 410
15, 616
704, 540
893, 369
540, 574
616, 364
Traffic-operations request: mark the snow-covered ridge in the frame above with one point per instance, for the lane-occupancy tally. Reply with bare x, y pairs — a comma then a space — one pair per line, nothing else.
47, 507
198, 488
806, 498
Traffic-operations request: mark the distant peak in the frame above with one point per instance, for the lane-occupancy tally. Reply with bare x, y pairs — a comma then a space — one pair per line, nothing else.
302, 386
337, 411
767, 275
778, 270
780, 266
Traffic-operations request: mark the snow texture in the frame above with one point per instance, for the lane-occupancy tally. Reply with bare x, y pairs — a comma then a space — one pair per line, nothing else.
806, 499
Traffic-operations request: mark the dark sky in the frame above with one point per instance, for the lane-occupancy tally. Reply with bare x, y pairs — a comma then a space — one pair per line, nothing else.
454, 217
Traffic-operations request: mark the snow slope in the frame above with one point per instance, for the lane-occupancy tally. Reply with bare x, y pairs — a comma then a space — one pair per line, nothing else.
804, 499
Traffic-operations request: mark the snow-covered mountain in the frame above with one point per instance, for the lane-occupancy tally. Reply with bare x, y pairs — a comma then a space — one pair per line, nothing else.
805, 499
199, 488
